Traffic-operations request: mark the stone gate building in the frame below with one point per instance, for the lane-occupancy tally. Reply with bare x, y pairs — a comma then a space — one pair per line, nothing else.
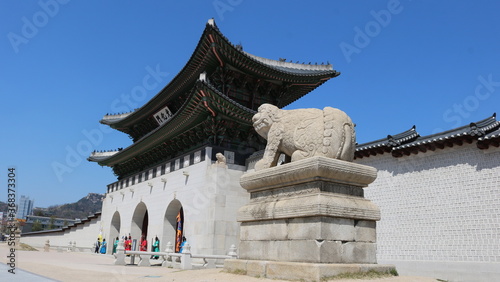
169, 184
439, 195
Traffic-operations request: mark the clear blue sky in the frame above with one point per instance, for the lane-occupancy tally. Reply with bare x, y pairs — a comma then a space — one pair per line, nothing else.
64, 64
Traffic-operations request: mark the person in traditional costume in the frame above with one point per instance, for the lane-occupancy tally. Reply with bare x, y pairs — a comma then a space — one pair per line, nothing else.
103, 247
115, 244
144, 244
156, 247
182, 244
128, 243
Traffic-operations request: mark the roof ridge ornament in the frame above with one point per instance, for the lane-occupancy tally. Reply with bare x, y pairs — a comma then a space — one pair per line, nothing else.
475, 130
392, 142
281, 62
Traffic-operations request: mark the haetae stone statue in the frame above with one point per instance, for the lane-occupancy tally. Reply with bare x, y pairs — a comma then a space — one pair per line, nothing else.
307, 218
304, 133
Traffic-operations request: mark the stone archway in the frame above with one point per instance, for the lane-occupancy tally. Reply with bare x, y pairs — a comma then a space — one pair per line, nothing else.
170, 224
114, 231
139, 226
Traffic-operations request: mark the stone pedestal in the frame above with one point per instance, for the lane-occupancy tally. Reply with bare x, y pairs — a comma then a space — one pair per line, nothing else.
308, 213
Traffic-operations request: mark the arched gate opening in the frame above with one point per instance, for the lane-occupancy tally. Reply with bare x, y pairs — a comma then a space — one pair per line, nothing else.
173, 225
114, 231
139, 227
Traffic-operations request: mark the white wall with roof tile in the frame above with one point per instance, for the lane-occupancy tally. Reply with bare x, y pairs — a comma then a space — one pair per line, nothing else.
83, 235
441, 206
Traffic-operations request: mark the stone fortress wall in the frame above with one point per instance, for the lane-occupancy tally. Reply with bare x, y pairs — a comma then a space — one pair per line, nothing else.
440, 212
83, 235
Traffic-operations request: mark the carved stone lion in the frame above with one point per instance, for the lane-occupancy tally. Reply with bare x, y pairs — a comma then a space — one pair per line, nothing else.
304, 133
221, 159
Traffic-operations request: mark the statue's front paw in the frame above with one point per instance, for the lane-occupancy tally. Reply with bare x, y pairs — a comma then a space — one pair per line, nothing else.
262, 164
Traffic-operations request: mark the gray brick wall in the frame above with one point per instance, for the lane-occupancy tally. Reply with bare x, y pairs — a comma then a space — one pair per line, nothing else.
438, 206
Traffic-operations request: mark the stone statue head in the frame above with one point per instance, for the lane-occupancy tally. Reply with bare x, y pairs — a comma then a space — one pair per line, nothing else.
267, 115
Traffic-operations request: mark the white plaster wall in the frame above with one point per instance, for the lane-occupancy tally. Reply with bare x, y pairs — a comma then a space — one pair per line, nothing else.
209, 194
189, 190
225, 197
84, 235
441, 206
210, 197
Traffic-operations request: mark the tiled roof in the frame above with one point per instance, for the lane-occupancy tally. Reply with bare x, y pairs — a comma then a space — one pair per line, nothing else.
295, 68
385, 145
490, 138
484, 132
492, 135
307, 76
203, 101
73, 225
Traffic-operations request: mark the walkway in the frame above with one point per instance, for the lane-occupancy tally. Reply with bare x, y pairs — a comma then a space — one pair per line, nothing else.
64, 266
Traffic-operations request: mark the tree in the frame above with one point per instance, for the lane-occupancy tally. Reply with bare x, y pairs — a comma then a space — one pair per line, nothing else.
37, 226
38, 212
52, 221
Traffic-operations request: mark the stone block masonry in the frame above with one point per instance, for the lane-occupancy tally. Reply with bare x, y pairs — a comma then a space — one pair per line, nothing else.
310, 212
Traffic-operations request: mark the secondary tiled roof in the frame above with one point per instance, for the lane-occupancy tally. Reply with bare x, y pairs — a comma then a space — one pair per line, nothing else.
485, 132
204, 101
492, 135
73, 225
491, 138
385, 145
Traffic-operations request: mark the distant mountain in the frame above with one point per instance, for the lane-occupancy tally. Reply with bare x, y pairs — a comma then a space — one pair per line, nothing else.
3, 208
84, 207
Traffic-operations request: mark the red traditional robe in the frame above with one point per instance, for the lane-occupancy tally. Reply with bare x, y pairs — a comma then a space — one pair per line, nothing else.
128, 245
144, 245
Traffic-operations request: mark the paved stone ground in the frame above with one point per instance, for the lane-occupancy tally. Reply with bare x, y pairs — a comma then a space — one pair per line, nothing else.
55, 266
20, 275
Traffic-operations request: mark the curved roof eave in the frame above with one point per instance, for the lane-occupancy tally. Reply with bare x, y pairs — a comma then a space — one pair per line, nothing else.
390, 140
293, 69
195, 101
474, 129
408, 140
